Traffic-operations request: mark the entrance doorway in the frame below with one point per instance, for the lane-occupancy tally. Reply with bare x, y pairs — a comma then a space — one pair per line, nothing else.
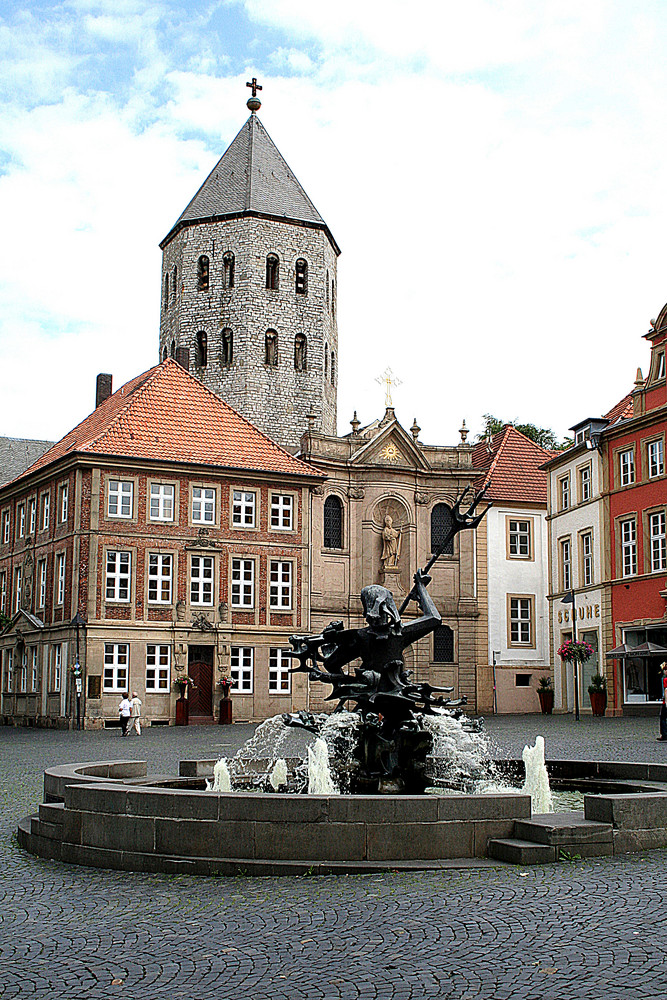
200, 669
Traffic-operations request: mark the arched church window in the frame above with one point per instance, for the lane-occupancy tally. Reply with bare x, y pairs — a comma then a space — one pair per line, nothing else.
272, 271
271, 348
202, 273
300, 352
173, 348
333, 523
301, 277
228, 267
166, 292
443, 645
201, 349
441, 522
333, 367
227, 353
326, 361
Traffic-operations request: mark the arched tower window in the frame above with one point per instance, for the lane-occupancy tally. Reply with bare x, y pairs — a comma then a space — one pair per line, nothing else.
173, 348
166, 292
300, 352
441, 522
227, 353
326, 361
333, 298
271, 348
202, 273
333, 523
164, 354
174, 281
443, 645
333, 367
301, 277
228, 266
272, 271
201, 349
327, 293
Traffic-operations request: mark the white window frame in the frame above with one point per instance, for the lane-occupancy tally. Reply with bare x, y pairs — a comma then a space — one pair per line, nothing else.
46, 511
56, 665
521, 621
585, 483
9, 671
202, 582
655, 454
120, 498
566, 563
60, 578
564, 493
160, 566
280, 585
242, 669
115, 667
33, 516
42, 583
5, 527
518, 537
242, 591
658, 541
118, 576
282, 512
34, 669
23, 676
64, 502
17, 585
280, 678
661, 365
203, 505
161, 502
158, 668
587, 558
626, 466
3, 591
20, 517
628, 535
244, 508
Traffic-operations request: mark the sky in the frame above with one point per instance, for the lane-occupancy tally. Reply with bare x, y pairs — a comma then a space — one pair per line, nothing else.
492, 171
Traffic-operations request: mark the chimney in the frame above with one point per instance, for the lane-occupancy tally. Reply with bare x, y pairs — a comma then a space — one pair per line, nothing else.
182, 357
103, 388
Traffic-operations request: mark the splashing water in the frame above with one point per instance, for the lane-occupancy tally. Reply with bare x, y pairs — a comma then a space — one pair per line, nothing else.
222, 781
320, 781
537, 780
461, 757
278, 776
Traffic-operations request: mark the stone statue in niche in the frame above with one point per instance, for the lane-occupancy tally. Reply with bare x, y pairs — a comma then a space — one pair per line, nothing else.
391, 544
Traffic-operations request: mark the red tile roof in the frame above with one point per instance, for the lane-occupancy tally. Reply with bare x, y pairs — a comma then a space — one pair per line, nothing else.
622, 410
167, 415
511, 468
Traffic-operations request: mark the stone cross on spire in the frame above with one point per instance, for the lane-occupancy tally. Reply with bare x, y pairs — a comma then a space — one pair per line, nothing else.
254, 103
388, 379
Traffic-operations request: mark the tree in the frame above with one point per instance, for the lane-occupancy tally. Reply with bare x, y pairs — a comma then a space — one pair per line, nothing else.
543, 436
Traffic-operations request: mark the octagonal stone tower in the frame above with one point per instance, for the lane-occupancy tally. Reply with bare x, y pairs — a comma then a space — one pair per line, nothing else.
249, 290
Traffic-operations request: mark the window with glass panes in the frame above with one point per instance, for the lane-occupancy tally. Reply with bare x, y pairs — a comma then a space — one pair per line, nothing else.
628, 531
17, 588
520, 621
243, 508
9, 670
281, 511
5, 527
41, 578
33, 668
203, 505
64, 502
519, 541
243, 583
119, 566
280, 664
20, 520
46, 511
441, 523
585, 483
242, 669
656, 459
158, 666
57, 665
280, 584
333, 523
443, 645
60, 578
159, 578
120, 495
587, 558
201, 580
564, 491
626, 465
657, 537
566, 564
3, 591
23, 679
161, 502
116, 663
33, 516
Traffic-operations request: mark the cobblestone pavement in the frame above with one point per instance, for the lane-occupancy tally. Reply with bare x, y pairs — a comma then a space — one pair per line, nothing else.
584, 929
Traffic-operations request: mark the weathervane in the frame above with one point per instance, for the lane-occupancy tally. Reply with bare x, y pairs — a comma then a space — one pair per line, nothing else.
388, 379
254, 103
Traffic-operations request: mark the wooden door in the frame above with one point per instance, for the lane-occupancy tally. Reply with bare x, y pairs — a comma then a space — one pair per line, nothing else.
201, 696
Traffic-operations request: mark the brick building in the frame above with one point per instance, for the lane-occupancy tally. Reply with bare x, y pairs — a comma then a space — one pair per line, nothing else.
180, 534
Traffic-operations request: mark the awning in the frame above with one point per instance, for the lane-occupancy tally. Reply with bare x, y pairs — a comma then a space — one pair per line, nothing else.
650, 649
620, 653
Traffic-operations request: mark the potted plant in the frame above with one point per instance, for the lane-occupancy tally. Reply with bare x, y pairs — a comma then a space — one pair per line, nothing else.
545, 693
225, 717
182, 684
597, 690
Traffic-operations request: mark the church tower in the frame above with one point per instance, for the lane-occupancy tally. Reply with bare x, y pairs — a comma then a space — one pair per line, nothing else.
249, 290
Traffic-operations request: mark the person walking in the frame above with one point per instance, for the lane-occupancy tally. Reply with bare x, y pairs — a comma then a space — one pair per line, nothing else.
125, 710
663, 707
135, 713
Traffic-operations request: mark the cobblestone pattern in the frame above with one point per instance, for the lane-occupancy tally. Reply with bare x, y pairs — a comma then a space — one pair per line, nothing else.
560, 931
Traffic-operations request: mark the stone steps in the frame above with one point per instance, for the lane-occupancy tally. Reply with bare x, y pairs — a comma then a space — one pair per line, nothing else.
554, 837
521, 852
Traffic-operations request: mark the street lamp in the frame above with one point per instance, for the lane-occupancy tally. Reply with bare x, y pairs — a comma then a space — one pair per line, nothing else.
569, 599
77, 622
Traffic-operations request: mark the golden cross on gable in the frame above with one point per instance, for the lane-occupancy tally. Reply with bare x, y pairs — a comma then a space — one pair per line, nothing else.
255, 86
388, 379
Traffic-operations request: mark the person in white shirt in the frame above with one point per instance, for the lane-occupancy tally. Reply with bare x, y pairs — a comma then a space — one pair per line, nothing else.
135, 713
125, 709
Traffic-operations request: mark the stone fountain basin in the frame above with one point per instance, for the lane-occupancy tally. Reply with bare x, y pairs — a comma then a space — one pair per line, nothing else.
113, 815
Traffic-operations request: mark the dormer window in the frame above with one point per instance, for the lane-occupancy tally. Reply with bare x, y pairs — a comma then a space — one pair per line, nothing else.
301, 277
202, 273
661, 365
228, 266
272, 272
